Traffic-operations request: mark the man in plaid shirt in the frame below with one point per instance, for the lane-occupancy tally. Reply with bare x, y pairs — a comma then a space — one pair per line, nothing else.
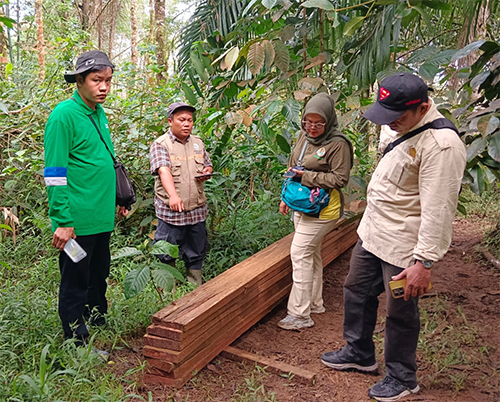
180, 165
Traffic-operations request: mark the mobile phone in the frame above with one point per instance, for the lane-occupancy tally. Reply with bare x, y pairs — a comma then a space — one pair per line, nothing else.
290, 173
202, 176
398, 288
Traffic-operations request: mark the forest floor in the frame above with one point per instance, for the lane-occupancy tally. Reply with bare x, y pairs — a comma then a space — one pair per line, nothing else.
458, 353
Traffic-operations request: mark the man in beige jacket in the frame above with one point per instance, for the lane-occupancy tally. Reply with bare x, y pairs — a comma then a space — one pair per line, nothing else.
407, 226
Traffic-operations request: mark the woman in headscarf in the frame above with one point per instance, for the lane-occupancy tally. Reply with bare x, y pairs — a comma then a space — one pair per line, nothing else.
327, 161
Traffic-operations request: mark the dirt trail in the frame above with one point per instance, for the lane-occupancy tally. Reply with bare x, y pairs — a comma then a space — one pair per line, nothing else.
458, 361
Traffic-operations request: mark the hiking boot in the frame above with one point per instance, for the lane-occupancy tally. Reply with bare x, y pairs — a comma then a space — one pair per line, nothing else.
294, 323
342, 360
318, 310
194, 276
390, 389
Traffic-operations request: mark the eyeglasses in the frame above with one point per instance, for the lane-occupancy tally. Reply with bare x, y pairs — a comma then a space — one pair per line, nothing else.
311, 125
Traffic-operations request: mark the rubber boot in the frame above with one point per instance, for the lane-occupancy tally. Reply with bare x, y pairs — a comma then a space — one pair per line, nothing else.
194, 277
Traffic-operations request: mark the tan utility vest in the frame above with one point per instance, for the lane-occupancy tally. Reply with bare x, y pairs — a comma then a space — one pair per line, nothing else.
187, 161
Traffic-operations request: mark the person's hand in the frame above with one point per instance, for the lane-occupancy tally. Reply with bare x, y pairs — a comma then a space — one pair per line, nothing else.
61, 237
298, 173
417, 280
122, 211
175, 203
206, 170
284, 209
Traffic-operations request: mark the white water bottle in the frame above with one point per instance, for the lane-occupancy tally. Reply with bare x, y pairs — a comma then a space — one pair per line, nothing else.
74, 251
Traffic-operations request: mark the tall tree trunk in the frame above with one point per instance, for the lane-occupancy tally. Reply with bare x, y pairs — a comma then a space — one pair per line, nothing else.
112, 29
160, 37
85, 11
40, 46
99, 26
133, 26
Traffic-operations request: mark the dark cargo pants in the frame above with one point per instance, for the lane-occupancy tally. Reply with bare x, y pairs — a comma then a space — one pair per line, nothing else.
82, 293
368, 277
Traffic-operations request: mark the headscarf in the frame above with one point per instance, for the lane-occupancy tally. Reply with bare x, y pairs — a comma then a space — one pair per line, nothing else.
324, 105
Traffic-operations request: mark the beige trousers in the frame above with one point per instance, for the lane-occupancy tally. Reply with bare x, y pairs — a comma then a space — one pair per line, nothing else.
307, 265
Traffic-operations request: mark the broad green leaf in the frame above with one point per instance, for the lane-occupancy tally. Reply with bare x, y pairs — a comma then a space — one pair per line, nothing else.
126, 252
423, 54
467, 50
425, 16
282, 56
479, 79
283, 143
333, 16
163, 247
10, 184
323, 4
188, 92
268, 52
135, 281
461, 208
231, 57
478, 185
255, 58
353, 25
163, 279
291, 110
175, 273
494, 147
428, 71
482, 124
492, 125
476, 148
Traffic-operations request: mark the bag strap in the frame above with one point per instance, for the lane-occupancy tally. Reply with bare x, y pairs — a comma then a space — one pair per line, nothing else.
98, 131
299, 162
437, 124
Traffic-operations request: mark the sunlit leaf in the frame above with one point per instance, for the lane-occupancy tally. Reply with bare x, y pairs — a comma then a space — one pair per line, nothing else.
255, 58
231, 57
311, 83
233, 118
352, 102
479, 79
492, 125
269, 3
323, 4
163, 279
175, 273
126, 252
6, 227
135, 281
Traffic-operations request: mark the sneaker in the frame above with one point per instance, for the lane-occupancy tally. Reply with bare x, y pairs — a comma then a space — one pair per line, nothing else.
318, 310
293, 323
390, 389
341, 360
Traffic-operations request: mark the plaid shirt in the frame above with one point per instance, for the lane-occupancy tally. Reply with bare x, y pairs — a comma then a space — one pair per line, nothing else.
158, 157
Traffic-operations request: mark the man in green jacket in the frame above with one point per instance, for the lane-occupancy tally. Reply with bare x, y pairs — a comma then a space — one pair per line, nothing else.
81, 186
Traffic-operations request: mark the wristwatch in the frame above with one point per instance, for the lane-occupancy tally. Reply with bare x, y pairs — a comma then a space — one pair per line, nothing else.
427, 263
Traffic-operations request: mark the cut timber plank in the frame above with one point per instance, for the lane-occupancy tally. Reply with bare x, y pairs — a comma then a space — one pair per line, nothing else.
187, 335
304, 376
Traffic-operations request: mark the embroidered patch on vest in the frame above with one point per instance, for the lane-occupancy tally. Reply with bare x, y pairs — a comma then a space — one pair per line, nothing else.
413, 152
321, 152
196, 146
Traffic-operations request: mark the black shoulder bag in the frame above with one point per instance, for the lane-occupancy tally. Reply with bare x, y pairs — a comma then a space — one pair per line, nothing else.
125, 193
437, 124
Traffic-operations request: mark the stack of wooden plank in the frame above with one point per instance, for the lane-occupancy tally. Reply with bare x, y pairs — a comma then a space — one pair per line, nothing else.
186, 335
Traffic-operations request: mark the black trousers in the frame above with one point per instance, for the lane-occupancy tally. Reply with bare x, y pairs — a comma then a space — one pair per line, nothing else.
191, 239
368, 277
82, 293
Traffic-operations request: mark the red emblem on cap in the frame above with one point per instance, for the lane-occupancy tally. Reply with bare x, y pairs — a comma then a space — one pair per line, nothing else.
384, 93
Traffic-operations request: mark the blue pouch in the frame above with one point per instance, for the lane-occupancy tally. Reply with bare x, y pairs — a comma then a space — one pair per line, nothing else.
309, 201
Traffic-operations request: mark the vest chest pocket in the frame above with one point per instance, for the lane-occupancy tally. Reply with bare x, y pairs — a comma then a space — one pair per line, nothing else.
199, 162
176, 170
